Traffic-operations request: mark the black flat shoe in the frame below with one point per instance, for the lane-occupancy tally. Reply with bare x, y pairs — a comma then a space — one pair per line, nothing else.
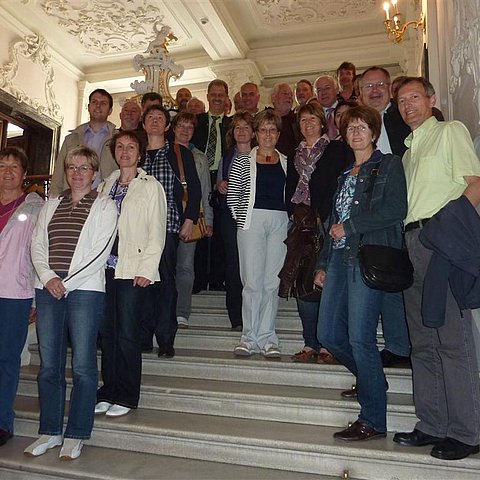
5, 436
415, 439
390, 359
451, 449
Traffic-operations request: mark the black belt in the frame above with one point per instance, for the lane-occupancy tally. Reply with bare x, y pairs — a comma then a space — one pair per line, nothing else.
418, 224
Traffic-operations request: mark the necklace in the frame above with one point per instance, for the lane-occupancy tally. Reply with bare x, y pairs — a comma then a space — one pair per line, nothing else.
15, 204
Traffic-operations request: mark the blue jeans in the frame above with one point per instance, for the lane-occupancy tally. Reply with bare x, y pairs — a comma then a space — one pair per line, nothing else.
308, 312
76, 316
13, 333
348, 318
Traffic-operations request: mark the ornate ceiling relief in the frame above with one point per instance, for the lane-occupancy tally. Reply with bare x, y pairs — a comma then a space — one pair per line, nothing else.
105, 26
34, 49
287, 12
465, 52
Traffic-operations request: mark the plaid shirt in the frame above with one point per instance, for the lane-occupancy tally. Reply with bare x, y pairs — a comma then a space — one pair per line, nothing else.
157, 165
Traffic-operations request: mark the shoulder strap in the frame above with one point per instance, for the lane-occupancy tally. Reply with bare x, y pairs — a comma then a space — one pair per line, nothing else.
181, 169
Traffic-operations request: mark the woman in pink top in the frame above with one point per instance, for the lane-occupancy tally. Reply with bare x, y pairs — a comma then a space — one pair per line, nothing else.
18, 214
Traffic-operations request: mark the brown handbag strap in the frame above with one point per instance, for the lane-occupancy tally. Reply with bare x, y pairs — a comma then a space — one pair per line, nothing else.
181, 169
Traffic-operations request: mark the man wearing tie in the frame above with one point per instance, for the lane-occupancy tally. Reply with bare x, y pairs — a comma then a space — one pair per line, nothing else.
326, 89
209, 137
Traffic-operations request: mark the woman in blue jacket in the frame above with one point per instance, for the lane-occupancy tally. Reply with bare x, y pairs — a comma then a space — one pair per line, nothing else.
369, 206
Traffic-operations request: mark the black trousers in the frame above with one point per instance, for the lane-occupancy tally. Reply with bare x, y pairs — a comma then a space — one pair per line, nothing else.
210, 255
159, 312
233, 284
120, 342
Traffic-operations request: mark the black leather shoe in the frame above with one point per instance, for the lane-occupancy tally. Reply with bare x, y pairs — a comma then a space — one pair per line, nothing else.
451, 449
168, 351
415, 439
390, 359
351, 393
5, 436
358, 432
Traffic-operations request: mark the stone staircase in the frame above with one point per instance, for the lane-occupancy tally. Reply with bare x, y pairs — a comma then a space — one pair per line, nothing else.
208, 415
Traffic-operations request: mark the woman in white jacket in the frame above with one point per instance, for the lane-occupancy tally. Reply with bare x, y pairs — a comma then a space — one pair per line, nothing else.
70, 246
131, 267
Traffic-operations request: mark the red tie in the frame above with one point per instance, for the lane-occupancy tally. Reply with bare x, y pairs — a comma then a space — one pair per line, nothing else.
332, 128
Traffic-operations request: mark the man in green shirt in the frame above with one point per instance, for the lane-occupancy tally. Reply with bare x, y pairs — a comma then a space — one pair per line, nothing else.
440, 165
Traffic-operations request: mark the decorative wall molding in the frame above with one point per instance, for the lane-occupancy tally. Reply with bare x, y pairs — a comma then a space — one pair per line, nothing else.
105, 26
294, 12
465, 51
34, 48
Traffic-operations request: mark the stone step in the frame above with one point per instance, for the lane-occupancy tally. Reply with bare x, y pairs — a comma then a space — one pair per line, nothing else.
206, 317
259, 443
210, 338
100, 463
224, 366
216, 300
306, 405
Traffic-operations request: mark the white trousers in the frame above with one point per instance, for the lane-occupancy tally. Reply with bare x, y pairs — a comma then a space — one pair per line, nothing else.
261, 254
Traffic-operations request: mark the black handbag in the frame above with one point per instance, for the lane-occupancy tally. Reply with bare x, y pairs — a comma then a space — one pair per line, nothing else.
384, 268
304, 287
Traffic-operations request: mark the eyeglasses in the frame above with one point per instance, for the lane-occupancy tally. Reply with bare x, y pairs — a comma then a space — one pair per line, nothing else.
82, 169
267, 131
357, 128
378, 85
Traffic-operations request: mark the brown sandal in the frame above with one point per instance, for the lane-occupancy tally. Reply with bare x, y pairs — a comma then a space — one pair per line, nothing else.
305, 356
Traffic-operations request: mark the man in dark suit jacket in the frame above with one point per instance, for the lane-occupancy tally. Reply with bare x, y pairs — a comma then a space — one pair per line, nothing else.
375, 93
210, 254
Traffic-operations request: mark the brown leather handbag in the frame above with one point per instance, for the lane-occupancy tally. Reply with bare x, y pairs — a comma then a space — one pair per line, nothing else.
200, 228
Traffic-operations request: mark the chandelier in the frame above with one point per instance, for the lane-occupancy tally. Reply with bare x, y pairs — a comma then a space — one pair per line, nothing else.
393, 25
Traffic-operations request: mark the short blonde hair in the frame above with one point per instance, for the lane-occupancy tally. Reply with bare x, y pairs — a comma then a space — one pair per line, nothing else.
83, 151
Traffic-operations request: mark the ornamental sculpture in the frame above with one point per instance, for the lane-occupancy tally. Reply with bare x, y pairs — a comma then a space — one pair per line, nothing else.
158, 67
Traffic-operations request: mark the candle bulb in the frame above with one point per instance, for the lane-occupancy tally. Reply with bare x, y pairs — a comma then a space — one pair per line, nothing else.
385, 7
394, 4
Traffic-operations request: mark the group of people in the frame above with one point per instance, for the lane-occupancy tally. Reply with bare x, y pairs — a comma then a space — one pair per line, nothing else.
111, 251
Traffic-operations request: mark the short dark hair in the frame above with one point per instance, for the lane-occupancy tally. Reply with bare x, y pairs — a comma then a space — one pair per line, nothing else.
218, 83
427, 86
237, 117
304, 80
103, 92
316, 109
369, 115
375, 68
184, 117
136, 137
347, 66
160, 108
348, 103
267, 116
152, 96
16, 153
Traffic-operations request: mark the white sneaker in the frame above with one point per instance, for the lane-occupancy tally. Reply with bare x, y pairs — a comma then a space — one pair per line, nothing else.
102, 407
71, 449
44, 443
117, 411
271, 352
182, 322
242, 350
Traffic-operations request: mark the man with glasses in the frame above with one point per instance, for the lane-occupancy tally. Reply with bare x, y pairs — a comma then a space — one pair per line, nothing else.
375, 93
95, 134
